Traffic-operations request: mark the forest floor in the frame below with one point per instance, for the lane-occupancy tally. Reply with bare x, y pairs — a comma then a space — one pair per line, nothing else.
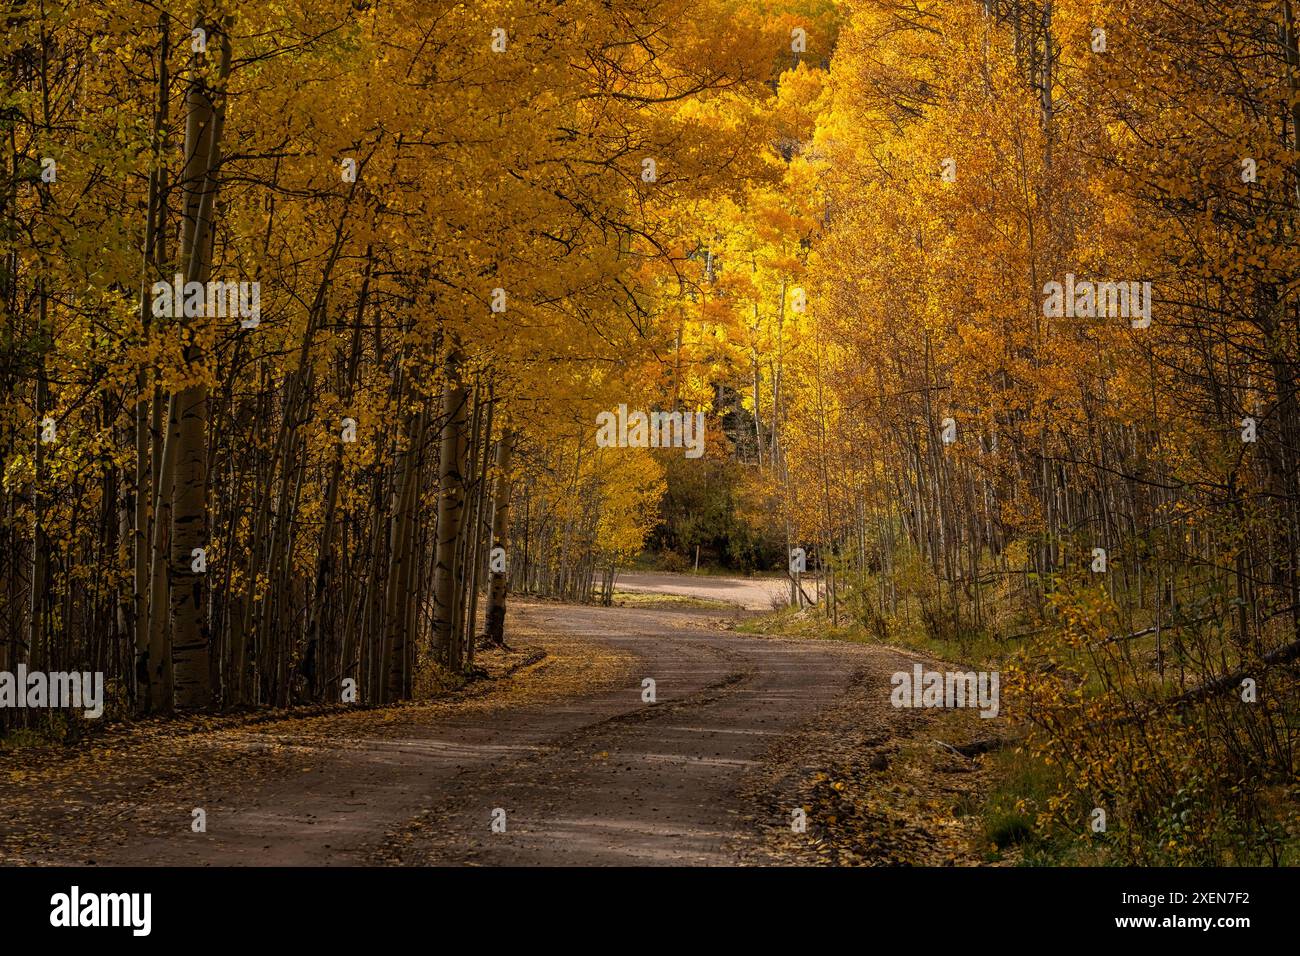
743, 730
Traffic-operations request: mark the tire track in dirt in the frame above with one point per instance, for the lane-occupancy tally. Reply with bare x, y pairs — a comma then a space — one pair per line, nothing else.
658, 784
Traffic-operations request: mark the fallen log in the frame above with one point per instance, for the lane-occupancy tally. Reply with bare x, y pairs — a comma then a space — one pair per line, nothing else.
982, 746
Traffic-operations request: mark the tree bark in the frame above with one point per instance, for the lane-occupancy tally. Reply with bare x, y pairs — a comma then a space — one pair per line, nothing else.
145, 474
499, 583
190, 637
450, 511
399, 598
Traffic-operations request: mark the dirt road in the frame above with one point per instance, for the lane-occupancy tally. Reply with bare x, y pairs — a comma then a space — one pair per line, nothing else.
755, 594
568, 755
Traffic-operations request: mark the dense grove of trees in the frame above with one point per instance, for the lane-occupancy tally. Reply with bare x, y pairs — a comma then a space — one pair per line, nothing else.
834, 226
466, 224
1113, 497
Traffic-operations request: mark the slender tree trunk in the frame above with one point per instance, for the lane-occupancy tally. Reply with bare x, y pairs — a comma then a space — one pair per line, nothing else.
190, 637
160, 656
40, 545
450, 510
499, 584
399, 598
476, 542
145, 475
